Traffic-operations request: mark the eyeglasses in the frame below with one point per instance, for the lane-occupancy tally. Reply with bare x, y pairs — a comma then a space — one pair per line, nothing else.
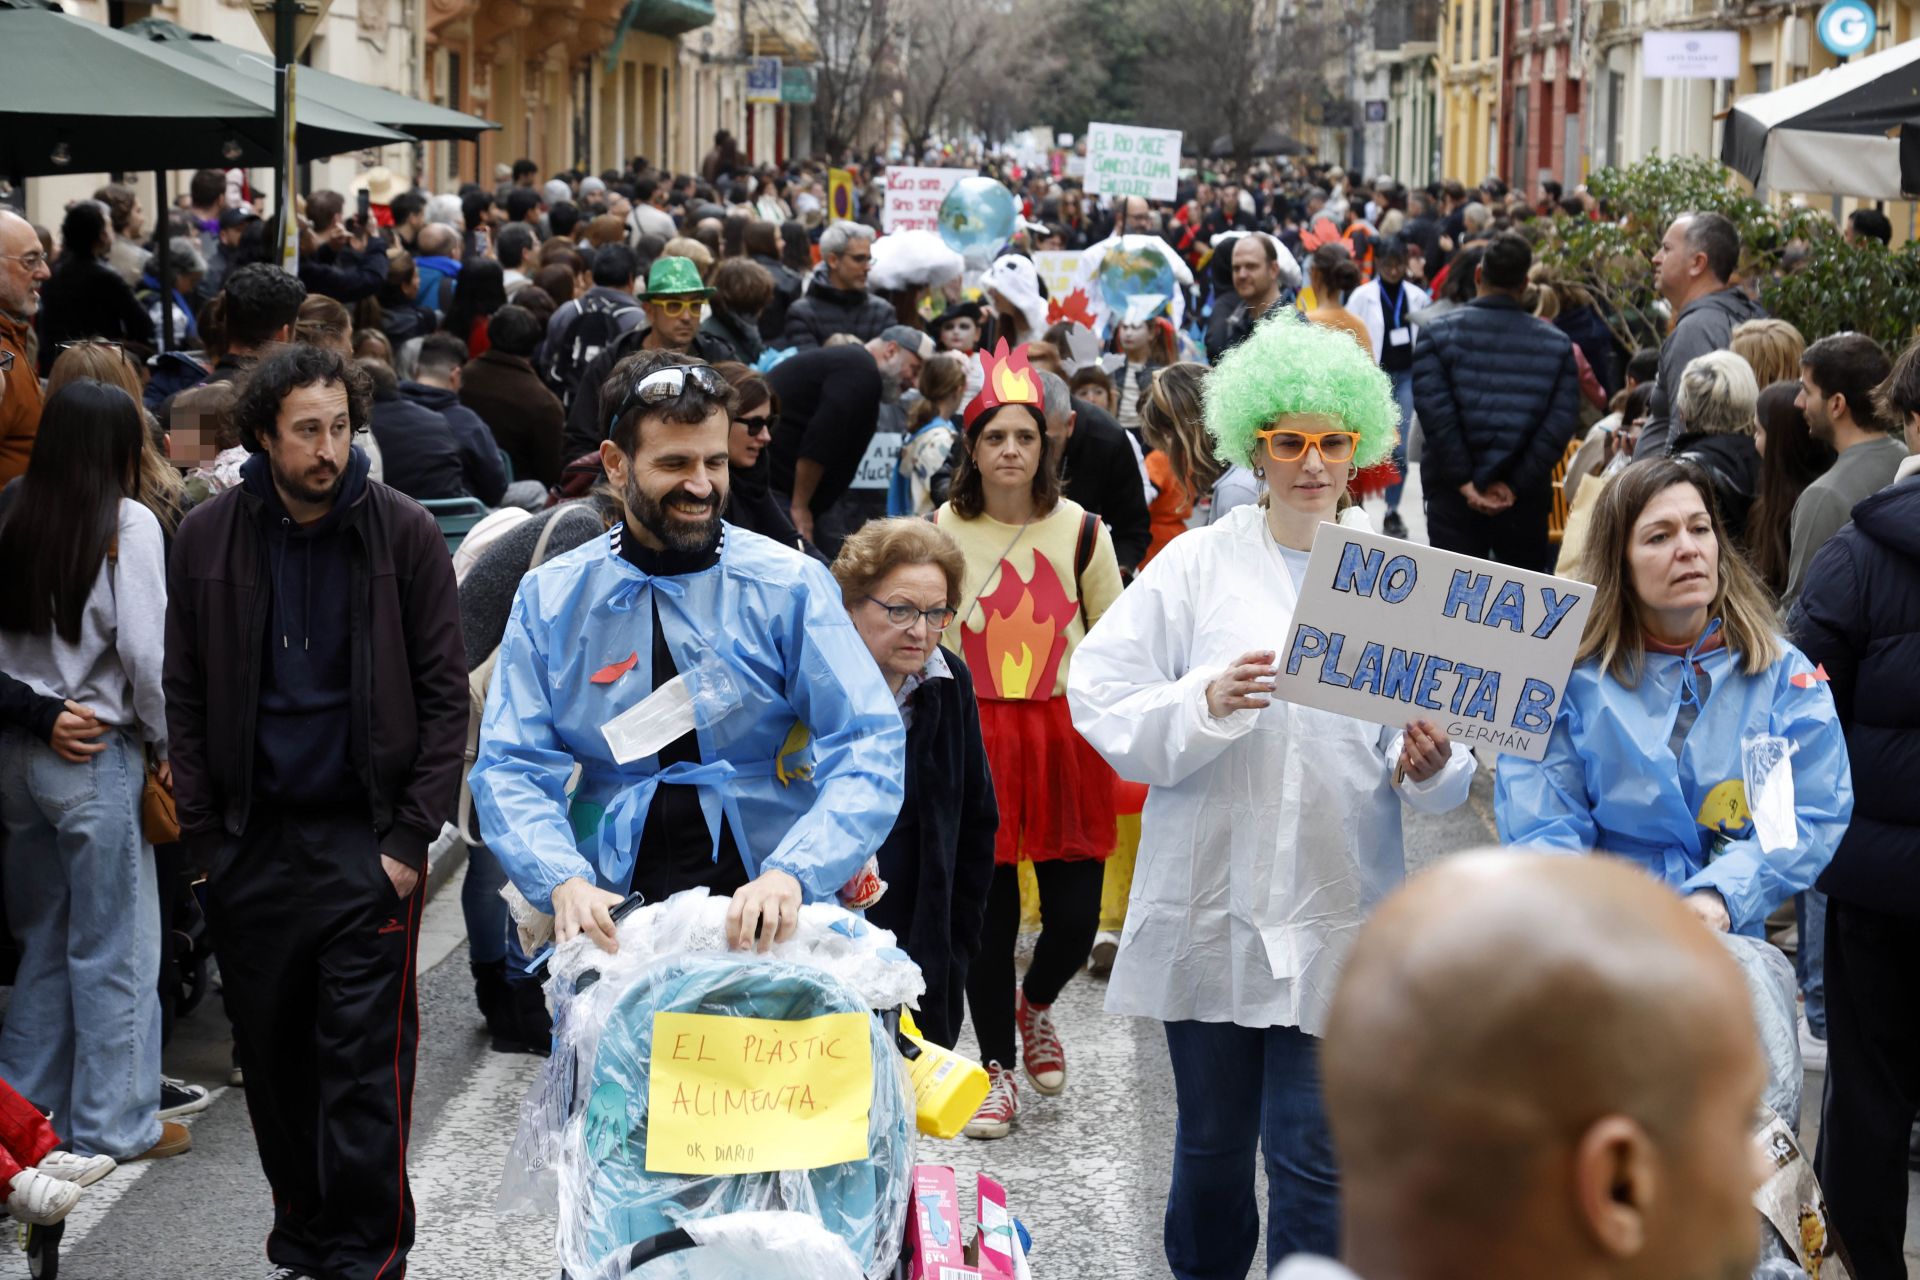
1291, 446
6, 362
31, 261
677, 307
903, 615
666, 384
755, 426
859, 257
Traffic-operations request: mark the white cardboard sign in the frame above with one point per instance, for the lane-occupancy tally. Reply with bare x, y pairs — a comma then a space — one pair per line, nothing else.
914, 196
1390, 631
1126, 160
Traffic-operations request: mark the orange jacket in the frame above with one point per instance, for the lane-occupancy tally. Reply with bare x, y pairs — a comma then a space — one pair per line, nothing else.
20, 410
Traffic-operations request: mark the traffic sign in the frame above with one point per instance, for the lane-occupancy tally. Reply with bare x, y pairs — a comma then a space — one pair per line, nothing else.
307, 17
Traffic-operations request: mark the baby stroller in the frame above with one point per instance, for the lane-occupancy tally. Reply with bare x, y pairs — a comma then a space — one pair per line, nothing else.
584, 1129
42, 1245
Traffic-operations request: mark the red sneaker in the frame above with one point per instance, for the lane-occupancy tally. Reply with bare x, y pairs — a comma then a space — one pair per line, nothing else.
1040, 1047
1002, 1103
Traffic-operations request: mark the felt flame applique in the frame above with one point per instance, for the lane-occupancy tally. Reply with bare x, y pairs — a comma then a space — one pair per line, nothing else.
613, 671
1007, 379
1020, 645
1074, 308
1807, 679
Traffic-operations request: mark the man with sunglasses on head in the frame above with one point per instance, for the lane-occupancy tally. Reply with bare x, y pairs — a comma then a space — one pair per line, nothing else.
23, 269
775, 789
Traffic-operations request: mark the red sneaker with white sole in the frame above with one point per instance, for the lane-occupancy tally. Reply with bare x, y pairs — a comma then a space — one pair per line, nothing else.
1040, 1048
1001, 1105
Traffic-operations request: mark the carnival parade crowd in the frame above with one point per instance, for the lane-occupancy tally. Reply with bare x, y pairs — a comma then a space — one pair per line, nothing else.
797, 567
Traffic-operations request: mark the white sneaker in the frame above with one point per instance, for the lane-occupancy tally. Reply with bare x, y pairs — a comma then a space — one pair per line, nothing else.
82, 1171
1106, 946
41, 1201
1813, 1050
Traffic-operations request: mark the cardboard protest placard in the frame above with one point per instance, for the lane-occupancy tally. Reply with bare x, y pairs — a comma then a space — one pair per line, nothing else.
1127, 160
1056, 268
1390, 631
914, 196
754, 1095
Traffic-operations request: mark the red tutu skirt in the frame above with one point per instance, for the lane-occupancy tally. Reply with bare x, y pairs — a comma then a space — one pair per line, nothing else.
1055, 793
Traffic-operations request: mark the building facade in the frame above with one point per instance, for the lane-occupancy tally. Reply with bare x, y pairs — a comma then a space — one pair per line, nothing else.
1469, 73
1406, 64
1542, 93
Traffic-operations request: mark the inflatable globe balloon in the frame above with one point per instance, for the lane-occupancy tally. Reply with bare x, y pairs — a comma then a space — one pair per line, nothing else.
1134, 266
977, 217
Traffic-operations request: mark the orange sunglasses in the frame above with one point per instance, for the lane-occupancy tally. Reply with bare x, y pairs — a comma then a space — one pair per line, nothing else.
1291, 446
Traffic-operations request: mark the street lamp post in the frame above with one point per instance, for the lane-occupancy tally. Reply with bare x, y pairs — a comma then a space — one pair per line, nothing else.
288, 26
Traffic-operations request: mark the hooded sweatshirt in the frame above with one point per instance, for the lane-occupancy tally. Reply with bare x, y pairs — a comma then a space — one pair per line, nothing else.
482, 473
303, 740
1703, 325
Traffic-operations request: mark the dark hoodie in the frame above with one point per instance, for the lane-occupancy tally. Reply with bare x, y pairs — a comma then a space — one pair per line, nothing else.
1859, 617
302, 749
482, 472
417, 448
1703, 325
751, 505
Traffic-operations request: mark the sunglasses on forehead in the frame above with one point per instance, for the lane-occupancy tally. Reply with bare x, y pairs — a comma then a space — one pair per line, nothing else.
663, 385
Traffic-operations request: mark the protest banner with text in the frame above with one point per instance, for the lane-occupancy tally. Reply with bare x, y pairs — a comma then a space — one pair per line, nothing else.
1389, 631
914, 196
1126, 160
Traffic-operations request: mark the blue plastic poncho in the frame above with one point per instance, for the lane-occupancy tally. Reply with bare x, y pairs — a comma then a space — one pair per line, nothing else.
1610, 781
807, 769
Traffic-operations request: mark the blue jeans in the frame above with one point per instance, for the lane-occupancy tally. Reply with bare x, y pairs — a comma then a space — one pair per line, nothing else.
82, 1036
1810, 957
1236, 1086
484, 908
1402, 396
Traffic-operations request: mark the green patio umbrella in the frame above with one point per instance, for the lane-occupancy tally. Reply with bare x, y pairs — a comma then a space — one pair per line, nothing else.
80, 97
312, 86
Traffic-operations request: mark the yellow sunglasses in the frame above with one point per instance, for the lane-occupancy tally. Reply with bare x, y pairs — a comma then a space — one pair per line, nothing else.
1291, 446
677, 307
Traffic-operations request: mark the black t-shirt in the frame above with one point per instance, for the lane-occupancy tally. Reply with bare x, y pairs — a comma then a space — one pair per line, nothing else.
1393, 314
829, 403
675, 850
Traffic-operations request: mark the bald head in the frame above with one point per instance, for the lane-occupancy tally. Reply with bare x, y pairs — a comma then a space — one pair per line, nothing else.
1527, 1060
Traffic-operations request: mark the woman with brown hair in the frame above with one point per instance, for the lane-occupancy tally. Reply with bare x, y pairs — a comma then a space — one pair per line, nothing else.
1181, 465
1791, 458
1039, 573
1334, 274
160, 488
1680, 668
750, 502
899, 579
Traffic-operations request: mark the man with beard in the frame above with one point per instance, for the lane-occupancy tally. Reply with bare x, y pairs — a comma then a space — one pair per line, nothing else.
775, 794
316, 715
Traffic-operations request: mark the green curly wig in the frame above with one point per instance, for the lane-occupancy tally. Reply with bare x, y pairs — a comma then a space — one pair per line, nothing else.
1289, 366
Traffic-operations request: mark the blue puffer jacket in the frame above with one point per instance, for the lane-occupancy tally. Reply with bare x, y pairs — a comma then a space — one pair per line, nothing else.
1859, 617
1498, 395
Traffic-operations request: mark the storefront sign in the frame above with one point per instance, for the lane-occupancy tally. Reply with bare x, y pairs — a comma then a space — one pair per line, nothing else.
1123, 160
764, 78
914, 196
751, 1095
1847, 27
796, 86
1391, 632
1691, 55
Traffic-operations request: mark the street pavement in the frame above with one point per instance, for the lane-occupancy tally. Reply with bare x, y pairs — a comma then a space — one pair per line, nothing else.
1086, 1171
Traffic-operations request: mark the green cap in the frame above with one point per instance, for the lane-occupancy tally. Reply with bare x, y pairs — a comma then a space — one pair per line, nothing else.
675, 278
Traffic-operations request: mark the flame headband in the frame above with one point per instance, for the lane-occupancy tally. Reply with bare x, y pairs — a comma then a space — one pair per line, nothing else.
1008, 379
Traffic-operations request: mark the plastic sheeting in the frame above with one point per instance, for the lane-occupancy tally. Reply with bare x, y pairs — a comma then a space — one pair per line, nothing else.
1771, 983
586, 1159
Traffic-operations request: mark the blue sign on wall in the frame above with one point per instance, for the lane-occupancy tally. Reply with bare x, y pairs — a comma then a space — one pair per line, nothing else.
1847, 27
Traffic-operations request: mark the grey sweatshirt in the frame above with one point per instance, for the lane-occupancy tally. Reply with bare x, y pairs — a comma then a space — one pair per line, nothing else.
115, 668
1826, 506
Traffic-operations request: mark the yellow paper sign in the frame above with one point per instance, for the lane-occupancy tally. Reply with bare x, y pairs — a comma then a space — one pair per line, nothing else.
751, 1095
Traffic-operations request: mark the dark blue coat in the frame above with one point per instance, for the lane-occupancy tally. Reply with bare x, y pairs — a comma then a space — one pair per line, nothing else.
418, 453
938, 859
1859, 617
1498, 394
482, 472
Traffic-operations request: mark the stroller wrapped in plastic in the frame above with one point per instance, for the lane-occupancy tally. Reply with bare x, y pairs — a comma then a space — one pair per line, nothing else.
582, 1146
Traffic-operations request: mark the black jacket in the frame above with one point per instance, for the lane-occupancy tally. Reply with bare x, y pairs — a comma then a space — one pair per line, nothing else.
21, 707
743, 335
586, 424
787, 286
346, 275
938, 859
482, 472
829, 407
1098, 470
1732, 462
1498, 394
417, 448
1703, 325
1859, 617
86, 298
408, 682
826, 311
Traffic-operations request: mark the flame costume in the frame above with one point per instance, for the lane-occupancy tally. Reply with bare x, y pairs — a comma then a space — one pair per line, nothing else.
1025, 605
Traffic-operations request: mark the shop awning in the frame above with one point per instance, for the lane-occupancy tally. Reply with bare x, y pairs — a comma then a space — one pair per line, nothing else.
660, 18
1850, 131
423, 120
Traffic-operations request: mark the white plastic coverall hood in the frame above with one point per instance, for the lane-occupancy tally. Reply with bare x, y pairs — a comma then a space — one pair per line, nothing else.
1267, 836
814, 801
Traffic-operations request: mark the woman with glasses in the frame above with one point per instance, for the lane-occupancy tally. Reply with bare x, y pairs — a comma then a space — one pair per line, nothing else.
899, 579
1039, 572
1271, 829
750, 500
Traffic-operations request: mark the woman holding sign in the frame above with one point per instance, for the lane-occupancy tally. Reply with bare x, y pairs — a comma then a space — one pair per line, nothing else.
1270, 828
1682, 696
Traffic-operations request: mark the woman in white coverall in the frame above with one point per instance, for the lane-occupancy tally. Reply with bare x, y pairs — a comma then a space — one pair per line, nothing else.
1271, 828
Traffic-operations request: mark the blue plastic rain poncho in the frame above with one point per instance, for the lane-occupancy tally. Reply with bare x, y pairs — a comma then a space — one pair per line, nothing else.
1610, 780
807, 769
